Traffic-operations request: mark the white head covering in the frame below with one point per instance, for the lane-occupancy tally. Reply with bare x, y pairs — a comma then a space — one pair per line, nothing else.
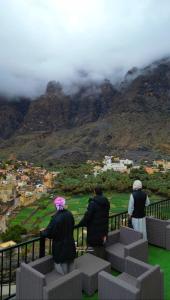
137, 185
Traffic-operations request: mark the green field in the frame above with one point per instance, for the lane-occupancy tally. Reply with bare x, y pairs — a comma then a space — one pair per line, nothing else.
38, 215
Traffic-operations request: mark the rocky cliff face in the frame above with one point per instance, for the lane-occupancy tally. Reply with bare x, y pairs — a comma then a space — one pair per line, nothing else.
97, 120
55, 110
12, 114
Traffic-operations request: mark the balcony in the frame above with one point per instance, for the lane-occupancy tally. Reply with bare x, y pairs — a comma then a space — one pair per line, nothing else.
11, 258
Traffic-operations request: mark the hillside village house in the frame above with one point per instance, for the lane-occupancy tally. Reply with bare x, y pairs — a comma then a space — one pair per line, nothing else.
121, 165
151, 170
7, 191
162, 163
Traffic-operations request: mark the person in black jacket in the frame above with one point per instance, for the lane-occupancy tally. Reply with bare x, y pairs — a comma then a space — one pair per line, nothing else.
60, 230
96, 219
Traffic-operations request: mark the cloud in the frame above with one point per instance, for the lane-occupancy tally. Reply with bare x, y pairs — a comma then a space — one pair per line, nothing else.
57, 39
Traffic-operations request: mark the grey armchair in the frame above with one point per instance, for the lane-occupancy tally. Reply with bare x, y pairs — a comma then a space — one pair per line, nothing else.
158, 232
125, 242
140, 281
38, 280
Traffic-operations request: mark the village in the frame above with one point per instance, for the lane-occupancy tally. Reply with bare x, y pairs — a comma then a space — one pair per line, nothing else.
22, 183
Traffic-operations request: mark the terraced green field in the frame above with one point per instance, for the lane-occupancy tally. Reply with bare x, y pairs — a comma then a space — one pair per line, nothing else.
38, 215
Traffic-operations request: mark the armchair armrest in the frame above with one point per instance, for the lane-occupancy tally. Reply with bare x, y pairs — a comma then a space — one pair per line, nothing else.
151, 283
138, 249
110, 287
167, 239
162, 285
31, 282
66, 287
113, 237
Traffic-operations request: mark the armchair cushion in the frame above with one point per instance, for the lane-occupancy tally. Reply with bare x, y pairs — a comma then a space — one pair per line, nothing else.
129, 279
117, 248
64, 287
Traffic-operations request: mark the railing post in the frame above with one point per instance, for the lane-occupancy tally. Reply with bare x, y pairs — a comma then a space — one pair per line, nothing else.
42, 247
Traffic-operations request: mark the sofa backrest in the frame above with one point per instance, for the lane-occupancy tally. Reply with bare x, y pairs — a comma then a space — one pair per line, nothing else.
113, 237
43, 265
135, 267
128, 235
156, 231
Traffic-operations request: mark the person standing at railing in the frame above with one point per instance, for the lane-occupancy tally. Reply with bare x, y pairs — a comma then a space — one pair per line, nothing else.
136, 209
60, 230
96, 219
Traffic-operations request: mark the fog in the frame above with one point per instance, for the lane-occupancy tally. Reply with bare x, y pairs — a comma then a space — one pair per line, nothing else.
75, 40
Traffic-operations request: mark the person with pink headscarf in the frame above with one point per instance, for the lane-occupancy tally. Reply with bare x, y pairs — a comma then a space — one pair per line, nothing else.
60, 230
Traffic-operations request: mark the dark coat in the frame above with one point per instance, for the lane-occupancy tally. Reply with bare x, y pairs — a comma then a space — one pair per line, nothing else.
60, 230
96, 219
139, 197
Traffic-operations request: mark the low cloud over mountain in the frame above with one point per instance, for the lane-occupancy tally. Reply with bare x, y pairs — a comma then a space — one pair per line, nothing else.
78, 40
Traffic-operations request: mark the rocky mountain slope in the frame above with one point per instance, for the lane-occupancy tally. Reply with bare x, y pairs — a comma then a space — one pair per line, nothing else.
132, 119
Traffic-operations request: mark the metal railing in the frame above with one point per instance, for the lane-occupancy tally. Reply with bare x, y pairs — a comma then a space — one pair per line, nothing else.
11, 258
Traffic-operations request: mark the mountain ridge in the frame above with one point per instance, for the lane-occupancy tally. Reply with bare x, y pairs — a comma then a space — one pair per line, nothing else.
97, 120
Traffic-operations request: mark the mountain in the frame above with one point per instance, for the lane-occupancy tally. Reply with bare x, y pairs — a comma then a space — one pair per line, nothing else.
12, 114
131, 119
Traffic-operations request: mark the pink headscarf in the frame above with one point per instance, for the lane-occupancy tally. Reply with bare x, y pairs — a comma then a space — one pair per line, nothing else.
59, 203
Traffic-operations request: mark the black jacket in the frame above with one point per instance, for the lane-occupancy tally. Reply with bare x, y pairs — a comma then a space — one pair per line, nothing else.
60, 230
139, 197
96, 219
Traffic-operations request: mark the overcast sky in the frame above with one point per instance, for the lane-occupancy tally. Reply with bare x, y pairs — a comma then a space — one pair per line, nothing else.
42, 40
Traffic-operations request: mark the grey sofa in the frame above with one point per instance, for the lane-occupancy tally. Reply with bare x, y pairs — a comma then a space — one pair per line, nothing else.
125, 242
90, 265
140, 281
158, 232
38, 280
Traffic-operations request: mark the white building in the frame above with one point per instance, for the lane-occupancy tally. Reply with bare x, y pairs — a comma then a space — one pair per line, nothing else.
120, 166
126, 162
107, 160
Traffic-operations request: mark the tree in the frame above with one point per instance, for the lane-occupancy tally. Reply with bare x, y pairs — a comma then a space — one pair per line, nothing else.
13, 233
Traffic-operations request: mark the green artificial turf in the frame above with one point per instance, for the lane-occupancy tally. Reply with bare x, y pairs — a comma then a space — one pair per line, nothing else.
157, 256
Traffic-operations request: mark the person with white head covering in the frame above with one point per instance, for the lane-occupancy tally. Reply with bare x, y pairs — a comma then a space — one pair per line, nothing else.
136, 209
